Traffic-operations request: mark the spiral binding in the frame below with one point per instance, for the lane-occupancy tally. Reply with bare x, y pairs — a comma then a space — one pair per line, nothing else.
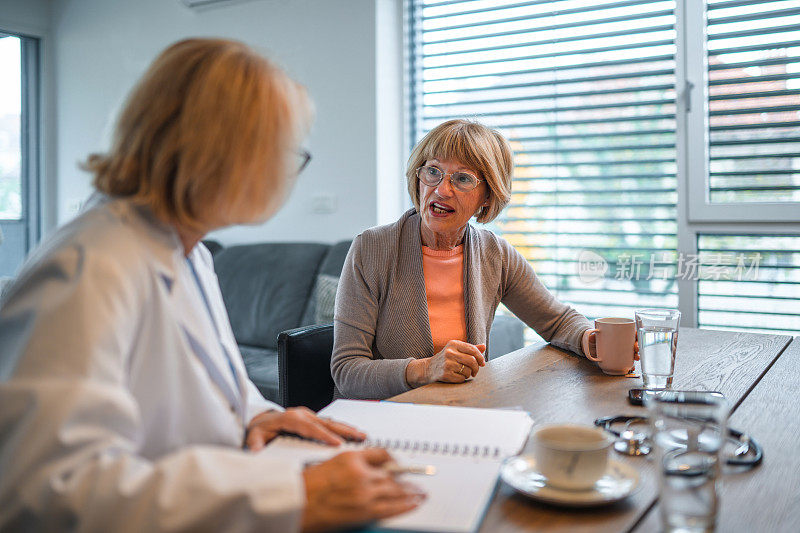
454, 449
408, 445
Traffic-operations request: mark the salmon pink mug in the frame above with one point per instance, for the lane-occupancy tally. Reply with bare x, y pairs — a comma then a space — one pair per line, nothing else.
615, 338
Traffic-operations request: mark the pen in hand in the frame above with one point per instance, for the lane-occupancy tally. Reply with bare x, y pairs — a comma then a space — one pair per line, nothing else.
396, 468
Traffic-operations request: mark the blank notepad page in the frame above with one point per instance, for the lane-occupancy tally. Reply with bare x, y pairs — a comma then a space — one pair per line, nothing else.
466, 445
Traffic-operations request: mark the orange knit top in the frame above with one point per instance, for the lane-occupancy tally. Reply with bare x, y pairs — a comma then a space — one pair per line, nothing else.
444, 290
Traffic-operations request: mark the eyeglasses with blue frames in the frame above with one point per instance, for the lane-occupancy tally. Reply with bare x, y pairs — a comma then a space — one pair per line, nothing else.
433, 176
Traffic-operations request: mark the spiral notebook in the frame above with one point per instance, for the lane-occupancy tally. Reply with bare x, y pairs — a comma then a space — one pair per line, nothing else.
465, 445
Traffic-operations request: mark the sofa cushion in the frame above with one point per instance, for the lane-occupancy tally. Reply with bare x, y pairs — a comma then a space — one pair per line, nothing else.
266, 287
329, 270
334, 259
325, 298
262, 368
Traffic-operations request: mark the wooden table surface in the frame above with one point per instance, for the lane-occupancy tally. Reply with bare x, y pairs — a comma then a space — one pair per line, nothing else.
554, 386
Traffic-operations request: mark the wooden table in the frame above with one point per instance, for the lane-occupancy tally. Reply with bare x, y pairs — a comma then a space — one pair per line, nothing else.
757, 373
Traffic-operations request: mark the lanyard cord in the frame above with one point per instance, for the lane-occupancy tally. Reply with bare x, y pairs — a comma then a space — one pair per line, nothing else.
214, 322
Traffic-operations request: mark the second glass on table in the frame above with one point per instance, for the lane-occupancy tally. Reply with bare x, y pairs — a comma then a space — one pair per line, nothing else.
657, 333
688, 429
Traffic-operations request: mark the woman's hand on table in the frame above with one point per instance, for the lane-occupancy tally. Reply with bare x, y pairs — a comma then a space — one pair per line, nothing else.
455, 363
300, 421
353, 489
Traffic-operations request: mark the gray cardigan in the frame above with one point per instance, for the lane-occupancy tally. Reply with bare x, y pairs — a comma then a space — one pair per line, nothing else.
381, 317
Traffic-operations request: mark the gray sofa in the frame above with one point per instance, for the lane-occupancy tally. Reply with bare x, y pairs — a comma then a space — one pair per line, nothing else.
272, 287
269, 288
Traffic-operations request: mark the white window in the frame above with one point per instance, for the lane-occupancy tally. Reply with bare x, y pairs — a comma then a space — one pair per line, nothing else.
614, 166
19, 228
744, 138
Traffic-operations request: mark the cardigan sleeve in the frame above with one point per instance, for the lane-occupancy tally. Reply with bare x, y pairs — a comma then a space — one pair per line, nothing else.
356, 371
527, 297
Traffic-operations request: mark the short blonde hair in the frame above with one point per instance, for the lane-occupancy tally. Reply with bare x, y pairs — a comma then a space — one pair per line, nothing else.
207, 137
474, 145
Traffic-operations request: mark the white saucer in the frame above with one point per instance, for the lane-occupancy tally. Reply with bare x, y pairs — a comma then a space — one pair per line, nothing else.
619, 482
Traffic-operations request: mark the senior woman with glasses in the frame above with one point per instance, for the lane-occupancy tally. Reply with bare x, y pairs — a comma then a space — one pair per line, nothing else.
417, 297
124, 401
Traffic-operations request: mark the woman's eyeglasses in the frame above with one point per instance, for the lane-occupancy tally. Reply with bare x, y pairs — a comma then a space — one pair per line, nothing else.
303, 157
433, 176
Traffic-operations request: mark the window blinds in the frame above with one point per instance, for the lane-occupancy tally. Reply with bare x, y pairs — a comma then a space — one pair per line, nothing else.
584, 91
754, 100
749, 282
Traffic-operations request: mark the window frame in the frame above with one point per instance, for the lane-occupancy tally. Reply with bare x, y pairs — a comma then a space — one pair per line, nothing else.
692, 27
696, 214
31, 59
31, 150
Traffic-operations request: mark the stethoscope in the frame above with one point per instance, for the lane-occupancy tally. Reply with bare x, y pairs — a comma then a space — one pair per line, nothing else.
748, 452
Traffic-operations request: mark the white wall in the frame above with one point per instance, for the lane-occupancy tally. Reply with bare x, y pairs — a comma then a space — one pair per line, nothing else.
103, 46
25, 16
390, 117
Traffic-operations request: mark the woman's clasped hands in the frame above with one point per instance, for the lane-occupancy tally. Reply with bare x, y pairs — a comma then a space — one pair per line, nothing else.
455, 363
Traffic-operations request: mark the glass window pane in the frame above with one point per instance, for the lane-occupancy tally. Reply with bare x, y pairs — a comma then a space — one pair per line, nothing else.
10, 129
749, 282
754, 102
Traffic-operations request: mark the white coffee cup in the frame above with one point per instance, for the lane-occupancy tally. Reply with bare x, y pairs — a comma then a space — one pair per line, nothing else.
571, 456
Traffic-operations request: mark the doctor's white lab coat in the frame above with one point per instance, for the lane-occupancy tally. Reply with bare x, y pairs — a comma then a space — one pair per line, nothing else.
119, 408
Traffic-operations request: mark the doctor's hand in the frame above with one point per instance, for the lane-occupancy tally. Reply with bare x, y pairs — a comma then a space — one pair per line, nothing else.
457, 362
300, 421
353, 489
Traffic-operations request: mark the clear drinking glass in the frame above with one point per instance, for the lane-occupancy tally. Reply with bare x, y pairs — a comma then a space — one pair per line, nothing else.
657, 333
688, 430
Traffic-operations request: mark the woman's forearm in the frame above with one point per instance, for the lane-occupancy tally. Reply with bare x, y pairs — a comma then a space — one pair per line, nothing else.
417, 372
363, 378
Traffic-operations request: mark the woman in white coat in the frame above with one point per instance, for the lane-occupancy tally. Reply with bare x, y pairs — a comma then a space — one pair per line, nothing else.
124, 402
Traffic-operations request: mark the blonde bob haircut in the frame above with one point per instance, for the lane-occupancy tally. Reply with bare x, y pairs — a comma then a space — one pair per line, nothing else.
474, 145
207, 138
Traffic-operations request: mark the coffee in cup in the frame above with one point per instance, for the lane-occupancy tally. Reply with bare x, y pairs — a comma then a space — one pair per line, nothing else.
571, 456
615, 338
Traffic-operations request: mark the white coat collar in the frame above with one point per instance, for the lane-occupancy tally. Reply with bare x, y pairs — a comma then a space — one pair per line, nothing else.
188, 307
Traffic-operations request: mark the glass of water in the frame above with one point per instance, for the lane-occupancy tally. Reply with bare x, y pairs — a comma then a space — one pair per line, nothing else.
688, 429
657, 333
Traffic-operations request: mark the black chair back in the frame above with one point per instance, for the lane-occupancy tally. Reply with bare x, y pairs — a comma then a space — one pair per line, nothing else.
304, 366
